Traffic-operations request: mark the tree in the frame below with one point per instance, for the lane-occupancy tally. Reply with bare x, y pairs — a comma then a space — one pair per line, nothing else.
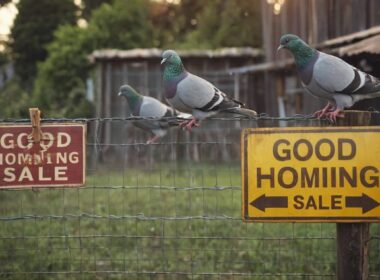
172, 22
162, 16
4, 58
64, 71
187, 12
124, 24
33, 29
14, 101
60, 85
232, 23
88, 6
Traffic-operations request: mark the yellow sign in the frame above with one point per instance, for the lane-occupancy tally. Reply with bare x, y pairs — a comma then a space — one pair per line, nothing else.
311, 174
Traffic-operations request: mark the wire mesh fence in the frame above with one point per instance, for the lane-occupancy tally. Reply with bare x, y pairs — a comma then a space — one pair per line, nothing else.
169, 210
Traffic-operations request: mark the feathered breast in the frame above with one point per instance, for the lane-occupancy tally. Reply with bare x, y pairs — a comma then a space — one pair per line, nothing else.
171, 84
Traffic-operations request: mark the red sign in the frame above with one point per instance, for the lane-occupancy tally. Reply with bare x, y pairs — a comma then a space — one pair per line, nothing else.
58, 160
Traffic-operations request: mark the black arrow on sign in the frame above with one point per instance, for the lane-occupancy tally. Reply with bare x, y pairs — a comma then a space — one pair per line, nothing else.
263, 202
365, 202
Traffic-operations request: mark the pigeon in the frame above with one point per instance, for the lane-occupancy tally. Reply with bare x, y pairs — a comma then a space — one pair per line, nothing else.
149, 107
329, 77
189, 93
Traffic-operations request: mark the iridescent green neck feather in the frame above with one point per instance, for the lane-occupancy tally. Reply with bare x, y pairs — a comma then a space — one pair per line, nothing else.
173, 68
133, 98
303, 53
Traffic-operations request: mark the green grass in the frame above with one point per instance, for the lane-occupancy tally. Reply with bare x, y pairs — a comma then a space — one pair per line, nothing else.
128, 223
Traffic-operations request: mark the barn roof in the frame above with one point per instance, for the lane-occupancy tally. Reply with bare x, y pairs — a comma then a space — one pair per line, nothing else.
114, 54
366, 41
350, 38
370, 45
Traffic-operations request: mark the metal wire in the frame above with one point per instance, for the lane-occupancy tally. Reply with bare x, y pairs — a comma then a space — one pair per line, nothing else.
169, 210
262, 116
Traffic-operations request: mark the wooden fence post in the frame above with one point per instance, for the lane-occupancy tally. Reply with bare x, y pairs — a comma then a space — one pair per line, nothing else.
352, 238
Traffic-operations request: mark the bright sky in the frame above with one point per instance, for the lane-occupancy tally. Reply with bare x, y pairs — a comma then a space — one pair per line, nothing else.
9, 12
7, 15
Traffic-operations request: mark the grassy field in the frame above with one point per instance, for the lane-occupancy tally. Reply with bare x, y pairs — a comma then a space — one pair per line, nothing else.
174, 221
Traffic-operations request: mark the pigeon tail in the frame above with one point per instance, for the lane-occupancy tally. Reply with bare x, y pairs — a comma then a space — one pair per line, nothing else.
242, 111
358, 97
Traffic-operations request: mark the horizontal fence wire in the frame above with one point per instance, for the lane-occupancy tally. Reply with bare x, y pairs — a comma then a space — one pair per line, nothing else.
167, 210
262, 116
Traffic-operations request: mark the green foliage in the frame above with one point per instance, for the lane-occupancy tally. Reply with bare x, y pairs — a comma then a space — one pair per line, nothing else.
234, 23
173, 22
14, 101
124, 24
90, 5
4, 58
33, 28
62, 76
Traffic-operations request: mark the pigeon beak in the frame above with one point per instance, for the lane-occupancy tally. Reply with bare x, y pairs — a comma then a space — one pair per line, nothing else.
280, 47
163, 60
119, 94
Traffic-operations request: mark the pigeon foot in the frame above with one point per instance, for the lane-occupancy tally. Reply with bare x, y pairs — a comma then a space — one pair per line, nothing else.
338, 113
321, 113
183, 123
189, 124
153, 139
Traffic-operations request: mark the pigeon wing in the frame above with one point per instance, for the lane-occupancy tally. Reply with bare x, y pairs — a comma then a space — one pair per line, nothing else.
197, 93
336, 76
151, 107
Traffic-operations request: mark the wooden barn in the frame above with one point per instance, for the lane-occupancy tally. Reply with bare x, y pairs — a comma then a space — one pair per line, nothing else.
141, 69
349, 29
265, 81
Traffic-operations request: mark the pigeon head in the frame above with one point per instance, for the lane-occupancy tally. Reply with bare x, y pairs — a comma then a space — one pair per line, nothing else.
173, 66
170, 57
127, 91
301, 51
290, 42
132, 96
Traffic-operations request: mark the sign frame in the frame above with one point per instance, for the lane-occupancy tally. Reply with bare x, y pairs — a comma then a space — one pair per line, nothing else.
306, 219
60, 185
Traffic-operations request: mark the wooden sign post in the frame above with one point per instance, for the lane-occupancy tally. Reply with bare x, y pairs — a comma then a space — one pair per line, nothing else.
317, 174
352, 238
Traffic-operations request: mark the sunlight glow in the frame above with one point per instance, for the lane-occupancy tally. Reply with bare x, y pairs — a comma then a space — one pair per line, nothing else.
7, 15
277, 5
169, 1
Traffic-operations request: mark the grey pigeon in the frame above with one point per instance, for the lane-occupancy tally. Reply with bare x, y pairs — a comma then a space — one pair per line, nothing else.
329, 77
191, 94
149, 107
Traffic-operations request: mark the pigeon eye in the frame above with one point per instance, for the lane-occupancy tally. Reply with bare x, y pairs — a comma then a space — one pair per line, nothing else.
286, 40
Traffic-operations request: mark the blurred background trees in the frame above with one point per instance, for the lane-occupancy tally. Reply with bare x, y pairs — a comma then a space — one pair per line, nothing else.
223, 23
87, 6
51, 39
61, 78
33, 29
